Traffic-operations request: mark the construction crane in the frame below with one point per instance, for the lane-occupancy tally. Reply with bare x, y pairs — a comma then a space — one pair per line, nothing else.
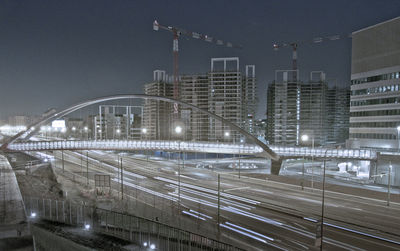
294, 46
177, 32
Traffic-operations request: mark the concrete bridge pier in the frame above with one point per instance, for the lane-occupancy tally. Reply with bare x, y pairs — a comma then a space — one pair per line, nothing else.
276, 166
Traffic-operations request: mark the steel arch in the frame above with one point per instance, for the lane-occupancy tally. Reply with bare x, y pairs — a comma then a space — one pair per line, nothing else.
29, 132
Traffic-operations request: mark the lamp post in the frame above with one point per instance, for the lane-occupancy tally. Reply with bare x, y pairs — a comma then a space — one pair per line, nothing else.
144, 132
178, 130
305, 138
227, 134
240, 146
398, 138
388, 198
389, 181
86, 129
118, 132
323, 203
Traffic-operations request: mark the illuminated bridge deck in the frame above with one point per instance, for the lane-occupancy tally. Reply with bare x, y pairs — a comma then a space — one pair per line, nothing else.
288, 151
190, 146
173, 146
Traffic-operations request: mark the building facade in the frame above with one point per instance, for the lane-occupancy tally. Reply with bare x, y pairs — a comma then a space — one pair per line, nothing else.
195, 91
283, 110
226, 98
375, 86
224, 90
117, 122
338, 110
312, 108
157, 115
249, 90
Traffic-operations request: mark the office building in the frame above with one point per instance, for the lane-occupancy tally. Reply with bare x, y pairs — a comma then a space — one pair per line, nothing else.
375, 84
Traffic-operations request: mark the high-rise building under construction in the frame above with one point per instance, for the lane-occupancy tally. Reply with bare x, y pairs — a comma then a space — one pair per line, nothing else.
223, 91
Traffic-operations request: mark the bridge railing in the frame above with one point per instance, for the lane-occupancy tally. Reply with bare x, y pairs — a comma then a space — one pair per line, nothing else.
141, 231
325, 152
210, 147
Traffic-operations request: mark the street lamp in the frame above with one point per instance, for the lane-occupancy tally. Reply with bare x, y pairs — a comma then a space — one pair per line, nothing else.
390, 170
398, 138
178, 129
305, 138
144, 130
389, 181
227, 134
323, 205
86, 129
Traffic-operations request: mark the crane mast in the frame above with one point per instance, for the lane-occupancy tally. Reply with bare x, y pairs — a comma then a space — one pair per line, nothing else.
295, 45
177, 32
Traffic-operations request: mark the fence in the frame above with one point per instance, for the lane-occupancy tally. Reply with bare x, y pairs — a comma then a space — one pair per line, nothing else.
135, 229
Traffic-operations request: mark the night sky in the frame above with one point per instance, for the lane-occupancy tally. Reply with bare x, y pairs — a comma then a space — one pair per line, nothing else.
57, 53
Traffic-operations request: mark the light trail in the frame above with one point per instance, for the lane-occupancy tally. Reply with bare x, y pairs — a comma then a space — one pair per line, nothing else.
196, 216
125, 172
243, 199
362, 233
212, 197
250, 231
146, 190
243, 233
204, 215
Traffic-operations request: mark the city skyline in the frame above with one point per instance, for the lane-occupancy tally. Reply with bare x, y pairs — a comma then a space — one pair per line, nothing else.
55, 54
110, 145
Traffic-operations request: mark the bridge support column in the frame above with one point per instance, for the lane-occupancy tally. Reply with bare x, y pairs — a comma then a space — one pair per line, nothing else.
276, 166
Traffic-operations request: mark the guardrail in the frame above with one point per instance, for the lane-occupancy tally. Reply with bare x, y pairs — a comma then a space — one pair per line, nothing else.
142, 231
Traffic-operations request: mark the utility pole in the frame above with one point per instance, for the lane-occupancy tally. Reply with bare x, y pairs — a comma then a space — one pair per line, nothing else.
388, 196
179, 190
81, 163
87, 167
62, 159
219, 206
302, 175
118, 180
122, 181
239, 158
323, 204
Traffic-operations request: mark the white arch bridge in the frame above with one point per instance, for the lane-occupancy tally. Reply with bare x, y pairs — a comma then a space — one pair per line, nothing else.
253, 146
191, 146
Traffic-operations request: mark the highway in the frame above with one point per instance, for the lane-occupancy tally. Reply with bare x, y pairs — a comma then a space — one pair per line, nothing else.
254, 214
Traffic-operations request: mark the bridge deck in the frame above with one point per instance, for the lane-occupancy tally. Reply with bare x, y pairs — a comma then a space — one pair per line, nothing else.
191, 146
